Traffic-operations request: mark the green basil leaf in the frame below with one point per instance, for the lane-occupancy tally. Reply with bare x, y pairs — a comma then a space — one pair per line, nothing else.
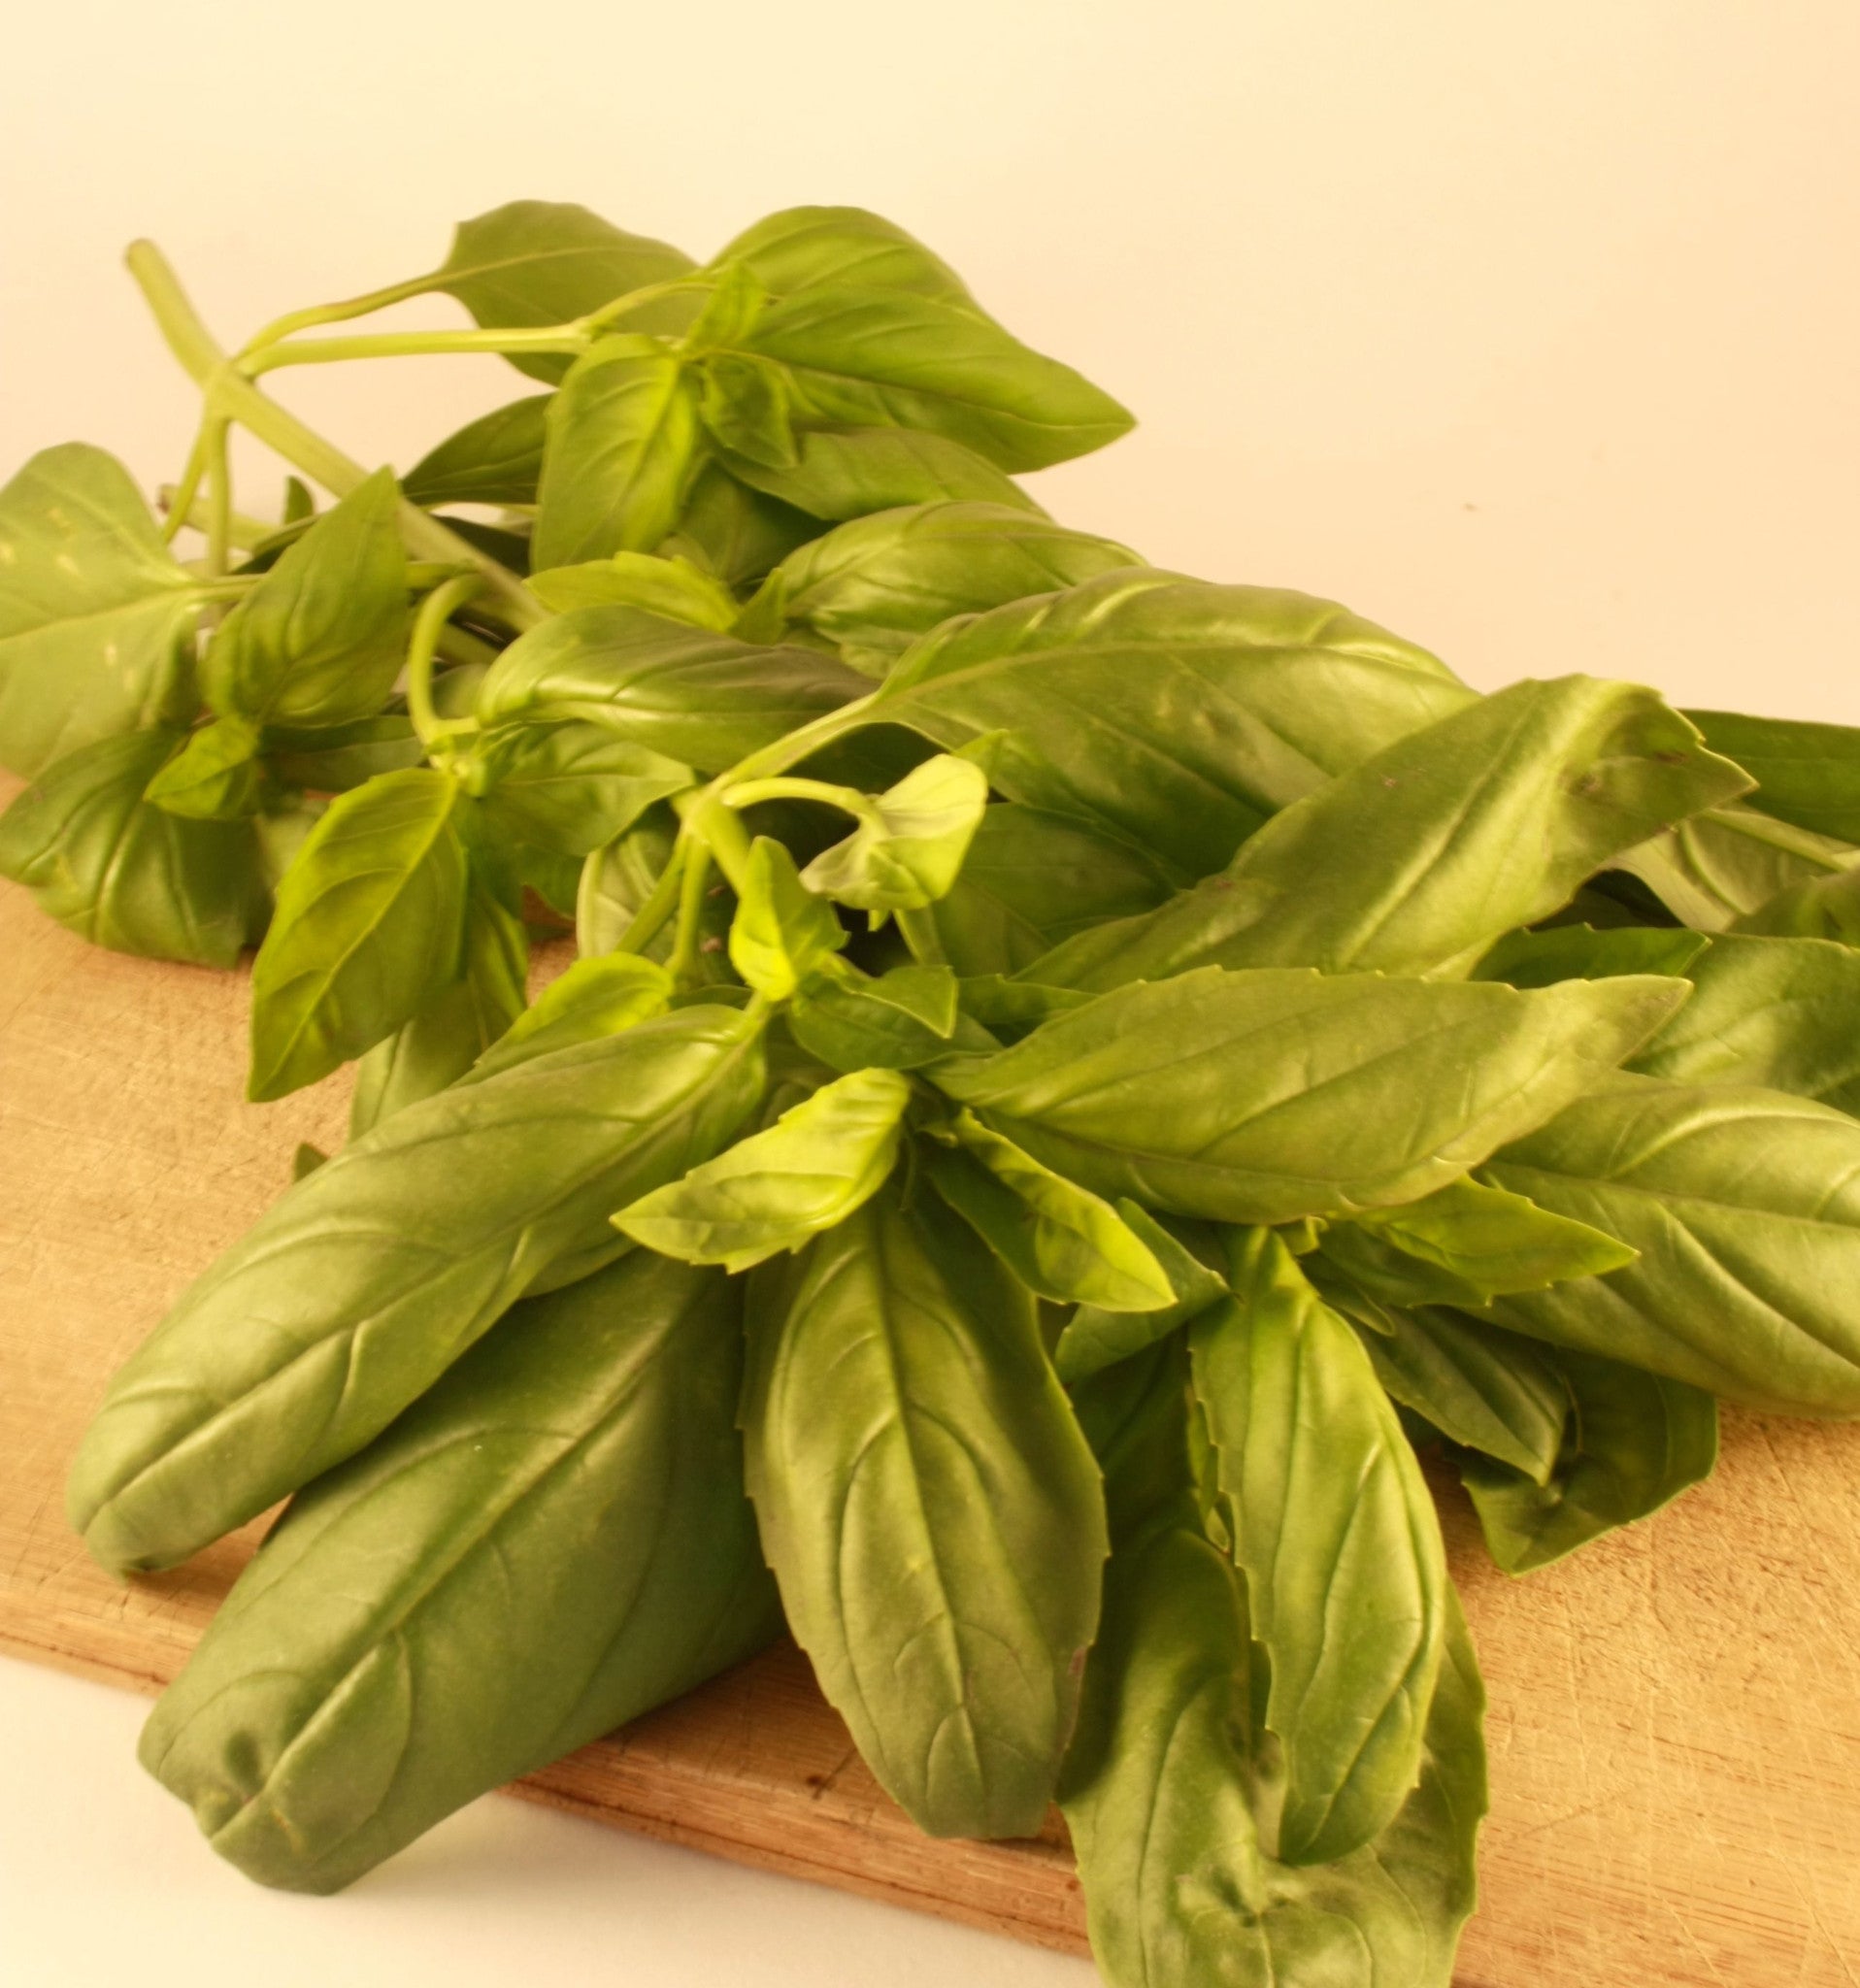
1818, 907
1806, 774
688, 693
905, 854
1744, 1205
1015, 1004
331, 759
1169, 1789
1487, 1389
1716, 869
743, 405
1262, 1096
1342, 1551
1634, 1441
1572, 771
782, 932
1580, 952
622, 447
873, 585
858, 356
537, 262
367, 925
318, 640
672, 588
495, 460
1095, 1338
1173, 713
217, 776
594, 997
803, 247
120, 873
306, 1160
1775, 1012
570, 787
96, 619
326, 1719
357, 1288
901, 1020
778, 1189
616, 881
843, 473
734, 532
930, 1510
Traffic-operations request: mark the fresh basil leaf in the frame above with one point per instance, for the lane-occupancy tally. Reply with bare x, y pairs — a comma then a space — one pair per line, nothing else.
331, 759
495, 460
873, 585
1572, 772
1062, 1242
570, 787
859, 356
1806, 774
930, 1510
622, 447
804, 247
1016, 1005
507, 541
1031, 880
672, 588
1337, 1535
1717, 868
306, 1160
217, 776
778, 1189
688, 693
367, 925
617, 880
96, 619
1482, 1387
1818, 907
1744, 1205
900, 1020
326, 1719
1095, 1338
1775, 1012
1170, 1789
1175, 715
356, 1289
734, 532
905, 854
594, 997
1634, 1441
782, 932
537, 262
843, 473
120, 873
744, 408
1580, 952
1262, 1096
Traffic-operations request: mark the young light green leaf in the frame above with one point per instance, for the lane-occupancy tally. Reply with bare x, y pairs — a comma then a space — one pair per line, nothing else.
905, 852
1337, 1535
735, 301
1169, 1788
217, 776
570, 786
672, 588
743, 405
1062, 1242
1744, 1205
325, 1720
595, 997
353, 1292
622, 447
367, 926
1727, 864
331, 759
873, 585
901, 1020
495, 460
1487, 820
1634, 1441
1095, 1338
782, 932
1262, 1096
1806, 774
1580, 952
689, 693
930, 1510
803, 247
96, 619
843, 472
121, 872
1820, 907
318, 640
1173, 713
778, 1189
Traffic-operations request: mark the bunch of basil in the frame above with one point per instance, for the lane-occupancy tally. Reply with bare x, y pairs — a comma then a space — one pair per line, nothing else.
1074, 1075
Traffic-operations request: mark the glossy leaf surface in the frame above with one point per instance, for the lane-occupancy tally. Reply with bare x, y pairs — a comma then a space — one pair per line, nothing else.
1807, 774
843, 472
1580, 952
571, 785
1727, 864
672, 588
1095, 1338
495, 460
782, 932
899, 1020
906, 852
595, 997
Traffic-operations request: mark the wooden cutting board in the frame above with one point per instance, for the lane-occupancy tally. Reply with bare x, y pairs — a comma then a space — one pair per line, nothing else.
1675, 1720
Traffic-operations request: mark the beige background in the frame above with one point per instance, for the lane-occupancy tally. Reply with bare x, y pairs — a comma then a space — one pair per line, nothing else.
1529, 329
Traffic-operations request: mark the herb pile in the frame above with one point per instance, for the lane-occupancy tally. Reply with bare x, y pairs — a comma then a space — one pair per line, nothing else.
1074, 1075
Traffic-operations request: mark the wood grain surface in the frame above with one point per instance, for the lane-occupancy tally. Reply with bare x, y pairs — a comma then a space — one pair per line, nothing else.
1675, 1719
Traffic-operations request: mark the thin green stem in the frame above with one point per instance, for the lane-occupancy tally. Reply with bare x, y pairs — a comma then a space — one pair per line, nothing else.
650, 919
180, 497
796, 746
422, 647
220, 509
364, 306
848, 800
683, 962
395, 344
